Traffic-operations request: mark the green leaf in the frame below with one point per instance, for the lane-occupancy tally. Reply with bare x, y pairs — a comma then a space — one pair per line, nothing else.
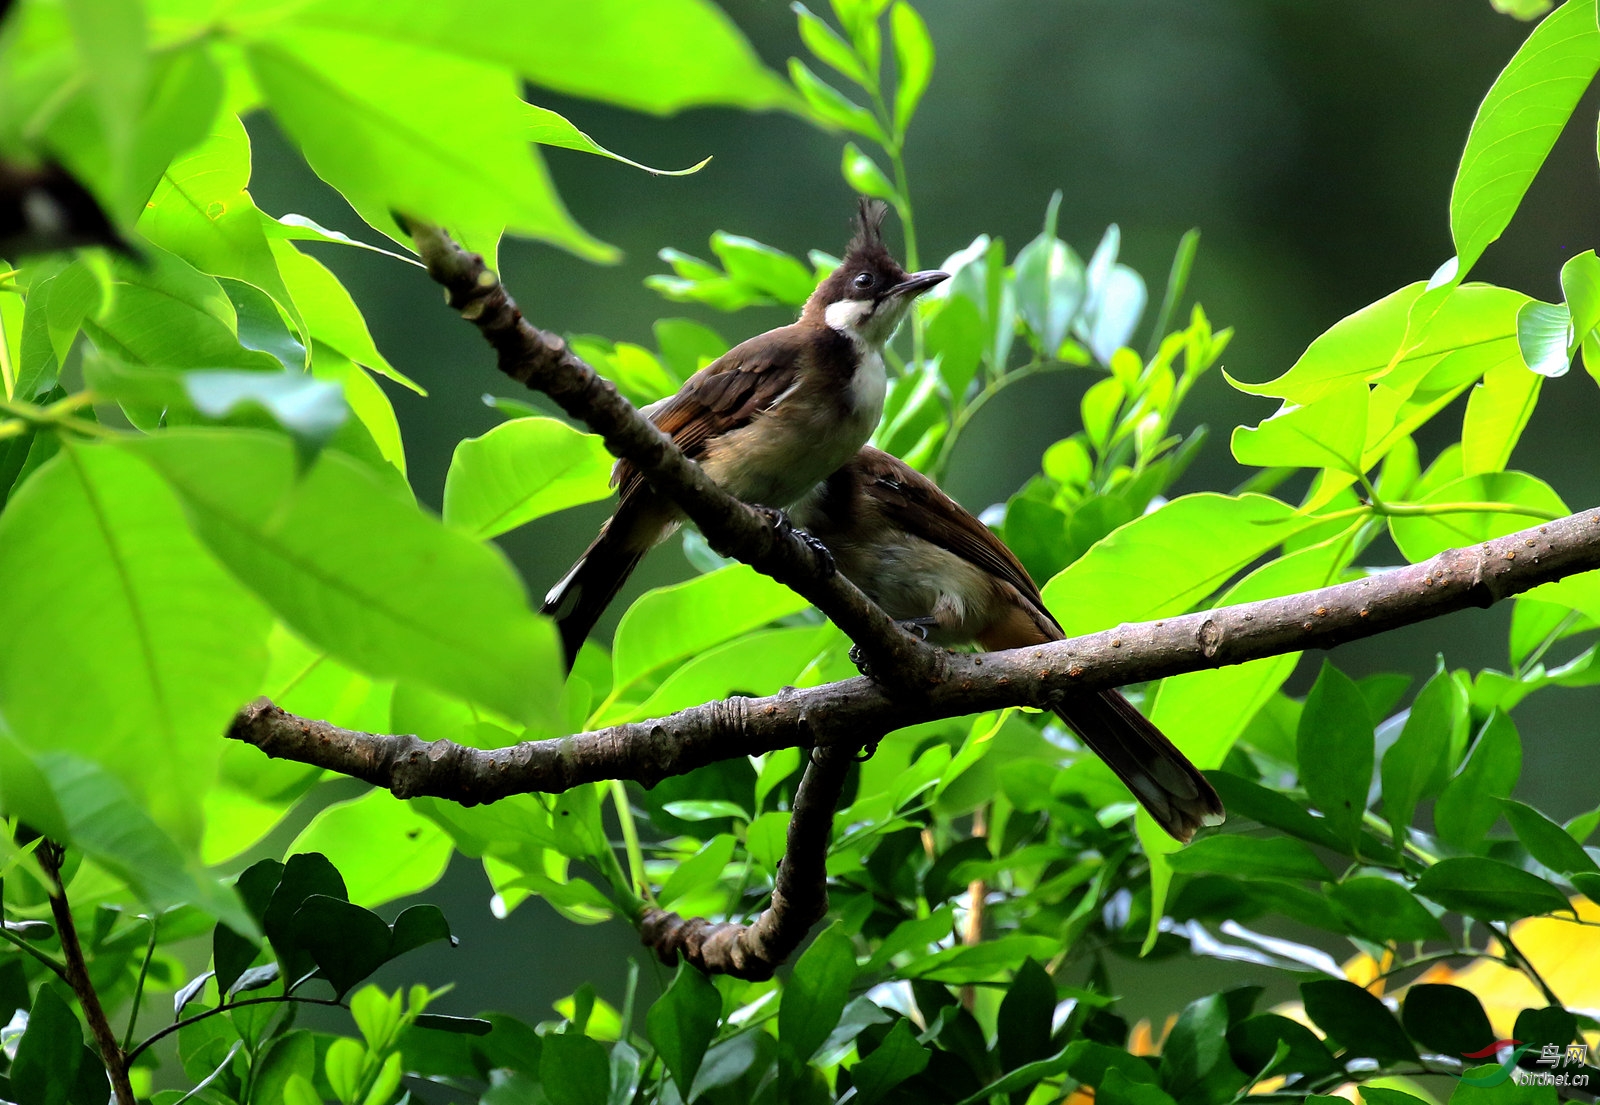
1473, 327
50, 1054
292, 1054
1498, 410
1517, 124
201, 212
816, 993
548, 128
573, 1069
833, 108
1335, 748
1382, 910
1023, 1024
308, 408
1580, 283
111, 40
758, 663
863, 175
1489, 889
1327, 433
1543, 338
1385, 1095
522, 470
699, 871
1050, 285
673, 623
1360, 1023
450, 149
896, 1058
347, 942
1167, 561
1273, 857
382, 846
659, 57
1422, 536
1545, 840
827, 47
1446, 1019
1273, 809
1417, 765
460, 1026
1466, 810
367, 577
163, 313
913, 62
768, 270
123, 641
1253, 1042
1195, 1052
683, 1023
330, 314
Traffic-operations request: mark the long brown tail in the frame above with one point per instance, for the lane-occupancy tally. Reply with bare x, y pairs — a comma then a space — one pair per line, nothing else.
1161, 778
582, 595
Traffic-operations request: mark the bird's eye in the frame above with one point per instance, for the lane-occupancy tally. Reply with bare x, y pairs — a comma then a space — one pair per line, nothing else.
864, 280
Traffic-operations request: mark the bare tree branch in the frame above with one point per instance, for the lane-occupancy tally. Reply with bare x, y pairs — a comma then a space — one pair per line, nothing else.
855, 711
799, 894
759, 537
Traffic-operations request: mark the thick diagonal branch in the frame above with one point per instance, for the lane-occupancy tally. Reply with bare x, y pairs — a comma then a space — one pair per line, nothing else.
799, 894
848, 712
543, 361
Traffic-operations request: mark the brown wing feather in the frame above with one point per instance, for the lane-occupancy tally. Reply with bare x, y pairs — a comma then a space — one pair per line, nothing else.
916, 504
723, 396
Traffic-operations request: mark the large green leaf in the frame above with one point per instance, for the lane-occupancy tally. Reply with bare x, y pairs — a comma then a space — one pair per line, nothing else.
758, 663
1467, 808
816, 993
1423, 535
201, 212
652, 55
123, 641
522, 470
1476, 323
364, 574
1327, 433
449, 148
1489, 889
1335, 751
1498, 410
1359, 1022
107, 825
683, 1023
382, 846
1167, 561
1418, 764
163, 313
672, 623
1518, 122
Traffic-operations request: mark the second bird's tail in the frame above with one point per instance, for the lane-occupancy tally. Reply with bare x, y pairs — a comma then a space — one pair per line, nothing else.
582, 595
1166, 784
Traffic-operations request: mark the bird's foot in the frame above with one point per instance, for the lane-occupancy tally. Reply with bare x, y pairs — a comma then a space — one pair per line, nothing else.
782, 525
917, 627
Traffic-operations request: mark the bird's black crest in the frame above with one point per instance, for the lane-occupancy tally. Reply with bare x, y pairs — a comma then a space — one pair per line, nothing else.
869, 227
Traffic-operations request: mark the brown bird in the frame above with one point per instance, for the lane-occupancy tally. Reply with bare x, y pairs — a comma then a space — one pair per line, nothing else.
928, 562
766, 420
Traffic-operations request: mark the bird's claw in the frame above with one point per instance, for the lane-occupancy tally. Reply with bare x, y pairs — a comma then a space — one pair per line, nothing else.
781, 524
919, 627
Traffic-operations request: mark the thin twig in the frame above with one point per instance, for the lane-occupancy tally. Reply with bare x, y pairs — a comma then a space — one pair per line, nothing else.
223, 1008
105, 1039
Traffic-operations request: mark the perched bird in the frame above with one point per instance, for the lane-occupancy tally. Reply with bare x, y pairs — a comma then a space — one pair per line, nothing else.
928, 562
766, 420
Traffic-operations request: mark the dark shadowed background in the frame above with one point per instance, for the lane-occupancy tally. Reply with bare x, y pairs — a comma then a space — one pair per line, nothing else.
1313, 142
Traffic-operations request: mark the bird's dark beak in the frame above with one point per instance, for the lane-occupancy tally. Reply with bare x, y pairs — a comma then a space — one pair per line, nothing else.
918, 282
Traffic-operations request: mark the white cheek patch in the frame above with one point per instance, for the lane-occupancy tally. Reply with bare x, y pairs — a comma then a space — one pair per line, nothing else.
847, 315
